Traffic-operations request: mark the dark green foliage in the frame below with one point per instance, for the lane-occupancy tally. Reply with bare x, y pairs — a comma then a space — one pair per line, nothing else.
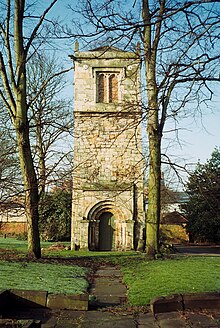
55, 216
203, 207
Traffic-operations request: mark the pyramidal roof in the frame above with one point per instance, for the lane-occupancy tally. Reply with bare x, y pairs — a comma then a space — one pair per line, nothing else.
107, 48
104, 52
173, 218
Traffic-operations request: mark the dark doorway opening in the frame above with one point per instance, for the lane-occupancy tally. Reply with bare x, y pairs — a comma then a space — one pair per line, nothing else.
106, 222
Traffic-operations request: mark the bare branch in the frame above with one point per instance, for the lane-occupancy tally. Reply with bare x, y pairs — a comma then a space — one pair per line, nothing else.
46, 83
7, 87
34, 32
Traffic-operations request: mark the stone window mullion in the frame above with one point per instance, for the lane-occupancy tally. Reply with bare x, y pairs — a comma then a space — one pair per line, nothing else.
107, 88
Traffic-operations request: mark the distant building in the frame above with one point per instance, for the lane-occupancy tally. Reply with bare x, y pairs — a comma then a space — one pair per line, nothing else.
12, 218
173, 227
173, 223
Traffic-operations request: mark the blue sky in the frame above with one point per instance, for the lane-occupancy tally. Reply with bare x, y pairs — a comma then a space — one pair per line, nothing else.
198, 136
201, 134
203, 137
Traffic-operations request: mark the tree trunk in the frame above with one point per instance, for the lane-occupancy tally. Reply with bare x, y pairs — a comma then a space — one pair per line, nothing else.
30, 186
153, 129
21, 124
153, 212
154, 139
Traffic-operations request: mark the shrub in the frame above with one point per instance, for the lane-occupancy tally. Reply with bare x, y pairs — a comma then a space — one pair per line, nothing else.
55, 216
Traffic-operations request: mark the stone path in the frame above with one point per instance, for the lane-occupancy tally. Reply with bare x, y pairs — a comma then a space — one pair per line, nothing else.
107, 289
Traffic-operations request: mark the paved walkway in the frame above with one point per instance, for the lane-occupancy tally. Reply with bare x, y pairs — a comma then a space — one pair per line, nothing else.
108, 291
202, 250
107, 288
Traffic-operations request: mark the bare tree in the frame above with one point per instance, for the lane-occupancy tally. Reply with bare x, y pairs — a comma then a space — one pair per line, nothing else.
19, 40
51, 119
179, 48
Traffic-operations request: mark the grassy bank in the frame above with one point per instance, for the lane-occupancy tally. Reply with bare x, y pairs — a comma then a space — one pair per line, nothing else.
145, 279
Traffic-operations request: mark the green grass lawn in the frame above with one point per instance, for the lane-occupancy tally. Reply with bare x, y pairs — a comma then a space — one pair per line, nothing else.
13, 244
148, 279
53, 278
145, 279
21, 245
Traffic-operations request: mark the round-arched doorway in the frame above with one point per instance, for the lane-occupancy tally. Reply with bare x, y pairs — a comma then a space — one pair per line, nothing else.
110, 226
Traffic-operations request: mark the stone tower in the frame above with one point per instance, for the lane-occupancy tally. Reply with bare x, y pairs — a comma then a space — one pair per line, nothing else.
107, 208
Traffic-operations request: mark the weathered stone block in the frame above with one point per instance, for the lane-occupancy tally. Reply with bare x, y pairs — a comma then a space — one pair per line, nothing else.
171, 320
29, 298
201, 301
20, 323
32, 324
68, 302
167, 304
